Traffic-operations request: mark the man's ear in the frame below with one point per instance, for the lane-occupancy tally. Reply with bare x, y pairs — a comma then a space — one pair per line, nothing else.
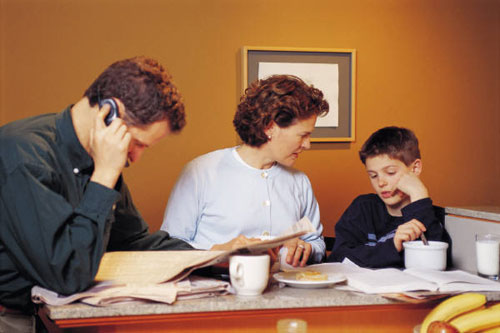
416, 166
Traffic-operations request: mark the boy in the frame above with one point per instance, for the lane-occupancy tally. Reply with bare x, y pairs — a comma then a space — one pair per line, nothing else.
372, 230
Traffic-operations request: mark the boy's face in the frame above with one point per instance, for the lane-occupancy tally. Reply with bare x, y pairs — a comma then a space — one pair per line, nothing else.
384, 173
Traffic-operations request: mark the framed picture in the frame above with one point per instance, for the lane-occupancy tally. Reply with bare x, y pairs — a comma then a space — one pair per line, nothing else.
333, 71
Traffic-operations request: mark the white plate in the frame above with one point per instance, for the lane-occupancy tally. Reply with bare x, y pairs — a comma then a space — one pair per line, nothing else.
289, 279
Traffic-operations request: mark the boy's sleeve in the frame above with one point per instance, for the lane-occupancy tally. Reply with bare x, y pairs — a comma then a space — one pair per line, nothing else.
355, 239
423, 211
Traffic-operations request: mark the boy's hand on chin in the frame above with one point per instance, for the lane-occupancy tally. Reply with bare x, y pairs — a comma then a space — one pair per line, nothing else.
411, 185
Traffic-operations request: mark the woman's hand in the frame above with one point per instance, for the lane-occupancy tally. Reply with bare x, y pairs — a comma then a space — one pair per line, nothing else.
273, 254
408, 231
234, 243
298, 252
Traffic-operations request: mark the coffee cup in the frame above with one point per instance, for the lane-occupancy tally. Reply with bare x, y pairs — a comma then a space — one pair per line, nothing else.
488, 255
249, 274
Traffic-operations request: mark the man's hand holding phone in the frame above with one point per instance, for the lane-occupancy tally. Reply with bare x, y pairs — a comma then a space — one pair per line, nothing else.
108, 148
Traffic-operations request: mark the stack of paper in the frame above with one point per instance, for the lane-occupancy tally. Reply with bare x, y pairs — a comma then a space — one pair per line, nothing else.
106, 293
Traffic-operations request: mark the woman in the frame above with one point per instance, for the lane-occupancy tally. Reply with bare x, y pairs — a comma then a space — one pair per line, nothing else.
252, 189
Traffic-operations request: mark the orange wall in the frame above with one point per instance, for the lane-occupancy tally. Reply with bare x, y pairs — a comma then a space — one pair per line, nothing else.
430, 65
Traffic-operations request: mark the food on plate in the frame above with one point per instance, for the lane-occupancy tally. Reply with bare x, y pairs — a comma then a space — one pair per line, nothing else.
310, 276
453, 307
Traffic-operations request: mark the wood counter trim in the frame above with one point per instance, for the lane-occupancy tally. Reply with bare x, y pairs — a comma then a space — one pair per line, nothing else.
366, 318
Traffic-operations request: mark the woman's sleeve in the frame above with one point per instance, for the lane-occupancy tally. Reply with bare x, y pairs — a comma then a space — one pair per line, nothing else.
184, 206
131, 233
311, 210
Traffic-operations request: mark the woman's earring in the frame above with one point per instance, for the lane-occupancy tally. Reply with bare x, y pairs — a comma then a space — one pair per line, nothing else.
269, 137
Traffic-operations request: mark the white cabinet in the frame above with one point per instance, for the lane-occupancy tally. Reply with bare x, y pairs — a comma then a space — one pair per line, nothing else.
462, 224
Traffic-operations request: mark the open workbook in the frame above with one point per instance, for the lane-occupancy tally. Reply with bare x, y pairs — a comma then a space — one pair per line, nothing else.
393, 280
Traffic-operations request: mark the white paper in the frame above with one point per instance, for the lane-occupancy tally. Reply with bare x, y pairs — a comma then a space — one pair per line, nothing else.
325, 77
393, 280
456, 280
107, 293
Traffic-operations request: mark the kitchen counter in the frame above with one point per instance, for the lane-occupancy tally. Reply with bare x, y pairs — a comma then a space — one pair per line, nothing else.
321, 308
463, 223
273, 298
325, 310
491, 213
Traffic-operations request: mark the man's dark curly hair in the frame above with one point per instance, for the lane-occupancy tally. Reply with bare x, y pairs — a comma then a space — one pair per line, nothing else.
397, 142
283, 99
145, 88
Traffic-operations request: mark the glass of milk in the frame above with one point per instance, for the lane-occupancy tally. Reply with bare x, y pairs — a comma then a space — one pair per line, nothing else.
488, 255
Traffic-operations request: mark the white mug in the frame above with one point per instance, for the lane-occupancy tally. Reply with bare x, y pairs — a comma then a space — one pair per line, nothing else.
249, 273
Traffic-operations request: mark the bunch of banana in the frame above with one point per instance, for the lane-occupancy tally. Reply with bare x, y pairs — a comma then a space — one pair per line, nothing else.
462, 313
478, 320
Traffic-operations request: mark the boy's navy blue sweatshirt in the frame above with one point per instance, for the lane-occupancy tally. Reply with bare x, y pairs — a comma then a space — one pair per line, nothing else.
365, 232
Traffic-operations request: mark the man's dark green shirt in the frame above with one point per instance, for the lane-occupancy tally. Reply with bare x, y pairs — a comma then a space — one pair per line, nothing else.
55, 224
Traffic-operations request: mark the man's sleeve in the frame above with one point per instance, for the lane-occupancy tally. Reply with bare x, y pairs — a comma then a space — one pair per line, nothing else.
352, 240
54, 244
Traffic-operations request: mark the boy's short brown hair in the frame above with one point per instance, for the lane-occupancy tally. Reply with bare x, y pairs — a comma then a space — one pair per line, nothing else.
397, 142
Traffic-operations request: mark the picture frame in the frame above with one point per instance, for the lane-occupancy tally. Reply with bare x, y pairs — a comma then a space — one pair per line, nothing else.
331, 70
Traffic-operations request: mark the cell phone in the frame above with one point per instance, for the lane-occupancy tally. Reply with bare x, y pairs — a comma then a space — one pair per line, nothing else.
113, 110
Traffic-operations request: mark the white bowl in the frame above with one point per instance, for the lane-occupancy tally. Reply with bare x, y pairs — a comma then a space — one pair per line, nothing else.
432, 256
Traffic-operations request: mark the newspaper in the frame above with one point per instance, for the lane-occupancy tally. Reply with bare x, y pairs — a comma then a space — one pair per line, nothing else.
162, 266
160, 276
107, 293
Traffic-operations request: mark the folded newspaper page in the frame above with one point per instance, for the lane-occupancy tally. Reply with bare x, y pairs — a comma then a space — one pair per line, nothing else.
162, 266
106, 293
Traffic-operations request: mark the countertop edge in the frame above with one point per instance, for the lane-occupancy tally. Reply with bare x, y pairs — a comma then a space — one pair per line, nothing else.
483, 212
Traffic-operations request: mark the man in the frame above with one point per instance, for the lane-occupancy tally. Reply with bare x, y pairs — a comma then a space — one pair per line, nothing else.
63, 201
